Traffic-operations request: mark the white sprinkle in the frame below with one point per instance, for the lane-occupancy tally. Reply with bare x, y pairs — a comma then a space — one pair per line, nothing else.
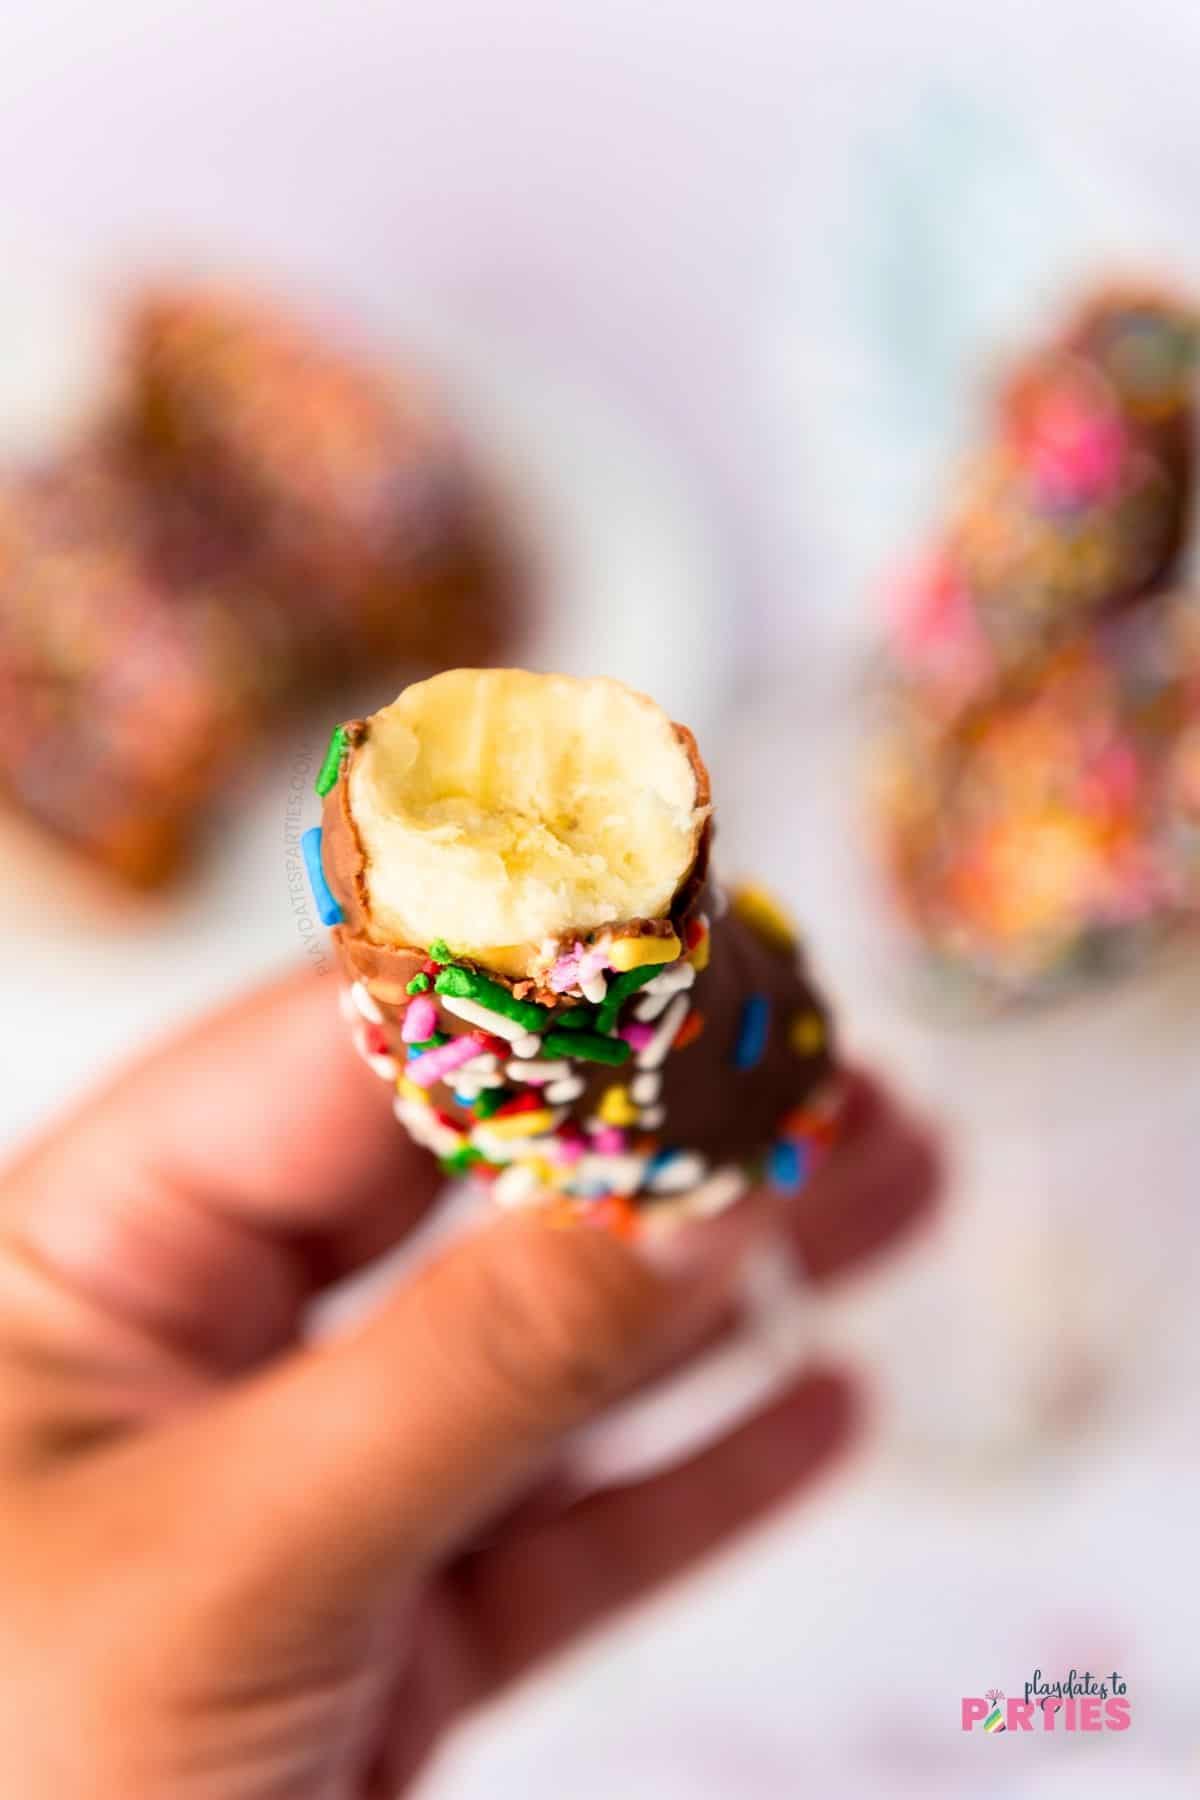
645, 1089
520, 1149
479, 1066
656, 993
683, 1170
518, 1186
655, 1052
537, 1072
528, 1044
653, 1117
617, 1174
485, 1018
365, 1004
425, 1128
561, 1093
714, 1195
346, 1005
720, 901
594, 989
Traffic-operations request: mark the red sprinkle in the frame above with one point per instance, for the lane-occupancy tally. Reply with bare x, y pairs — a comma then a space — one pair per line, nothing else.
689, 1031
523, 1103
693, 932
377, 1042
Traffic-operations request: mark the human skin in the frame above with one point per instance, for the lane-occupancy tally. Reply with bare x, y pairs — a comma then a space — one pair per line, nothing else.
240, 1565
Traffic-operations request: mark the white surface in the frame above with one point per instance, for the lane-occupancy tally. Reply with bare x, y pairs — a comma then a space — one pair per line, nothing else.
715, 208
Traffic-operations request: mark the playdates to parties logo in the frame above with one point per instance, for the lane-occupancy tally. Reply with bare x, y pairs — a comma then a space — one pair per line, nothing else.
1084, 1702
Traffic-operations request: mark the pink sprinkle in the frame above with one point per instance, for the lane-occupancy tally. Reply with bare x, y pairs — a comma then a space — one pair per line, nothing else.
1078, 452
430, 1067
636, 1034
608, 1141
420, 1021
562, 975
592, 962
569, 1150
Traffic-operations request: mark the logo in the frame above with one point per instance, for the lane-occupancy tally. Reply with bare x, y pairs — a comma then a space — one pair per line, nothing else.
1084, 1702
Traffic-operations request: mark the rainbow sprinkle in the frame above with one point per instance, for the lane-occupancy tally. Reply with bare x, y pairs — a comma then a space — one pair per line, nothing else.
753, 1027
619, 990
760, 910
588, 1046
788, 1165
521, 1124
328, 910
420, 1020
806, 1034
638, 952
465, 984
430, 1067
328, 772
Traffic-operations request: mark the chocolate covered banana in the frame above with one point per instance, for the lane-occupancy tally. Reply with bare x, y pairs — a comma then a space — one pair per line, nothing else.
516, 867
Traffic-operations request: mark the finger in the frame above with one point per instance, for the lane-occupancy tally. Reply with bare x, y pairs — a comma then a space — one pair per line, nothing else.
879, 1183
206, 1193
377, 1453
528, 1594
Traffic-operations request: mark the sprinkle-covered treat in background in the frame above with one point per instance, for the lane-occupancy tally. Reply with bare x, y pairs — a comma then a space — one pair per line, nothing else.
1047, 833
1077, 507
348, 491
539, 962
125, 701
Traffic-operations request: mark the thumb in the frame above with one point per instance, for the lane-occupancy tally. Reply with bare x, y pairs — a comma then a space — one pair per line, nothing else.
372, 1455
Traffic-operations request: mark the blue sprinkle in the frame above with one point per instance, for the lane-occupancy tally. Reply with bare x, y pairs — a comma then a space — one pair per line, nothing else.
787, 1165
751, 1044
329, 912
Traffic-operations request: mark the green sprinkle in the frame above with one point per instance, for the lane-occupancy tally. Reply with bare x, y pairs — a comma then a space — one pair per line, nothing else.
333, 761
464, 984
431, 1043
461, 1160
440, 952
576, 1018
419, 983
490, 1101
619, 989
589, 1046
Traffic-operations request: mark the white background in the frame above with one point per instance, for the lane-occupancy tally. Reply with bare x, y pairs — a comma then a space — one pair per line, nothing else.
729, 264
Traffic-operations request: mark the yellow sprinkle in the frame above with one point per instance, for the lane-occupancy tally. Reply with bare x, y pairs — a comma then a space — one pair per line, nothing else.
408, 1090
806, 1034
636, 952
700, 955
517, 1125
763, 914
616, 1108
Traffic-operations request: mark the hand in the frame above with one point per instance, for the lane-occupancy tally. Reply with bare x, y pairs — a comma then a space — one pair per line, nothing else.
239, 1566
